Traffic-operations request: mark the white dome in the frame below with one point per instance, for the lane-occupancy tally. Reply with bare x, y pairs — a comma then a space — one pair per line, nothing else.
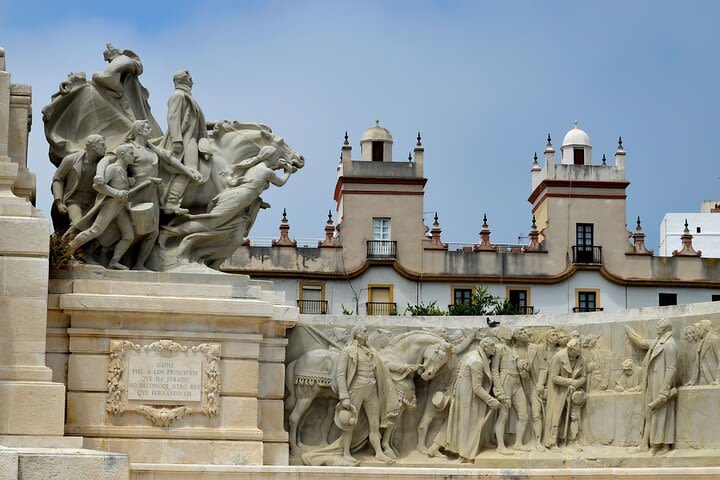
576, 136
376, 134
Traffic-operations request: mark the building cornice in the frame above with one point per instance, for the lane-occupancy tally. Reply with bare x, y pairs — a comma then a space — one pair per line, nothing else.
600, 184
337, 195
479, 279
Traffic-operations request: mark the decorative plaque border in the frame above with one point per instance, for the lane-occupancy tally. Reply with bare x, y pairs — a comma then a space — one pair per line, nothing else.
162, 415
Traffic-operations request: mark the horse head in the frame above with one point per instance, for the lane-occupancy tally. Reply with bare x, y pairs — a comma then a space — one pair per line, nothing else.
434, 357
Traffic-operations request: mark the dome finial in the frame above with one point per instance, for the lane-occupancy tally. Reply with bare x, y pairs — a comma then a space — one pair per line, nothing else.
346, 139
377, 123
549, 141
419, 143
620, 146
576, 124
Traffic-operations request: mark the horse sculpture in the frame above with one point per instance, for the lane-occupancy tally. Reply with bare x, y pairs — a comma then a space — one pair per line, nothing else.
312, 376
241, 158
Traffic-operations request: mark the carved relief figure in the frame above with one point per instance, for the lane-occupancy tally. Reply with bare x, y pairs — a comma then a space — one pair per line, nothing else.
659, 365
534, 384
111, 207
364, 383
471, 405
707, 355
566, 376
72, 183
186, 125
509, 391
439, 388
628, 380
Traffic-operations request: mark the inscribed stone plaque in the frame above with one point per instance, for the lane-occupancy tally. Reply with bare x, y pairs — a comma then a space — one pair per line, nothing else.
164, 376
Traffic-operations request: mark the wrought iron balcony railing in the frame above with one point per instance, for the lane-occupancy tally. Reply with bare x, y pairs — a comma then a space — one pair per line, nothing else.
382, 249
315, 307
587, 254
381, 308
587, 309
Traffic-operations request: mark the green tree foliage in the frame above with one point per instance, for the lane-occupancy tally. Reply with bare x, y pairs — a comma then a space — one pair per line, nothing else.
422, 310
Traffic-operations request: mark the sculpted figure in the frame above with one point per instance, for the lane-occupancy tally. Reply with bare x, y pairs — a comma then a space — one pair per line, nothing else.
629, 378
439, 387
470, 405
509, 391
105, 105
566, 377
596, 379
659, 392
186, 125
707, 355
364, 383
245, 182
146, 166
112, 202
72, 184
534, 384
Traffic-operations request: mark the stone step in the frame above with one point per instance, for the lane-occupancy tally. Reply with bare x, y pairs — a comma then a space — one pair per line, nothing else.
63, 463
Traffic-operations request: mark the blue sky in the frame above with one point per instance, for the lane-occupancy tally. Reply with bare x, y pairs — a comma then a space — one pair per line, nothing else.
483, 81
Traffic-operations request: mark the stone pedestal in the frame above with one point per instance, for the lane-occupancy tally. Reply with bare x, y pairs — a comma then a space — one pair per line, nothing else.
146, 351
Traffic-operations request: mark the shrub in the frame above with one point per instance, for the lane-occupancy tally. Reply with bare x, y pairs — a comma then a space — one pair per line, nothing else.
422, 310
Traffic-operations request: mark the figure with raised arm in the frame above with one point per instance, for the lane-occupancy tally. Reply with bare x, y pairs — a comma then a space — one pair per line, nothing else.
659, 391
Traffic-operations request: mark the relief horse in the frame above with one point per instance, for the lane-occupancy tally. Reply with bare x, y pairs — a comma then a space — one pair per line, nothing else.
313, 376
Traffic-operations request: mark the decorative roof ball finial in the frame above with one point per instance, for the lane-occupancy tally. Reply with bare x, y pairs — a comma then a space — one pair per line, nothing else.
535, 165
436, 223
534, 225
419, 143
346, 139
639, 228
377, 123
576, 124
329, 216
485, 224
687, 230
604, 162
409, 157
284, 217
620, 145
549, 141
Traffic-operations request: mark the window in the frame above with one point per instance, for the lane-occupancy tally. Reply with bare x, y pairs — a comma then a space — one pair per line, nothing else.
579, 156
462, 295
584, 243
665, 299
715, 298
312, 298
380, 300
518, 298
584, 234
381, 229
587, 300
377, 151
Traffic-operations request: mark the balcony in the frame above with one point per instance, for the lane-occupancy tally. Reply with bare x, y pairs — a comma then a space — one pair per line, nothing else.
587, 309
525, 310
381, 249
313, 307
587, 254
381, 308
